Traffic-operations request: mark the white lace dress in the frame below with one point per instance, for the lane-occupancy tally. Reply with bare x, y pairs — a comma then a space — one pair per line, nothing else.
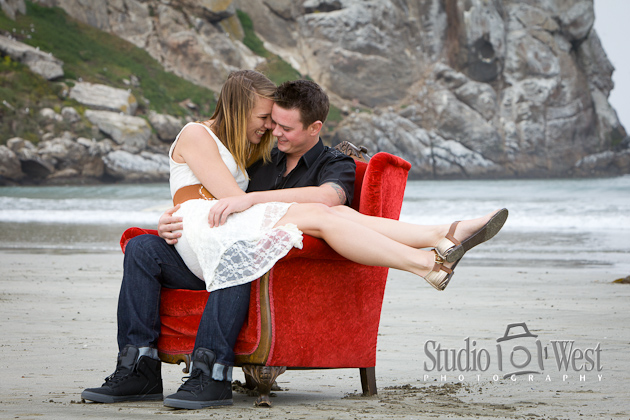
242, 249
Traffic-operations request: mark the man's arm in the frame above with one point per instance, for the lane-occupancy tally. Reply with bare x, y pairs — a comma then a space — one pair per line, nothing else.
341, 194
337, 186
329, 193
331, 183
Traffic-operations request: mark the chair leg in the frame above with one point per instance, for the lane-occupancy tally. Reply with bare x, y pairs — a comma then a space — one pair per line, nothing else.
264, 376
368, 381
250, 383
177, 359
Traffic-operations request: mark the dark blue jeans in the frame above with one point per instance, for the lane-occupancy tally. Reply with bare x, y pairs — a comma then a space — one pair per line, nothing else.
150, 264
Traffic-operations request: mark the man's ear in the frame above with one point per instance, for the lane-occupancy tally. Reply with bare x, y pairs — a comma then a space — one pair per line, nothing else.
315, 128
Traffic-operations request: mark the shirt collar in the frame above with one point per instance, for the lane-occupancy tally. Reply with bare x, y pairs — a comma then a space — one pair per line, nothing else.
309, 158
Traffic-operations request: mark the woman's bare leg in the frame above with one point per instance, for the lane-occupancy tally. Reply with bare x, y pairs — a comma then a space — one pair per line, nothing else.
417, 236
357, 242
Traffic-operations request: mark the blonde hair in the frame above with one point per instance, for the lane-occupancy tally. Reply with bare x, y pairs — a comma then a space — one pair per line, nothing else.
235, 104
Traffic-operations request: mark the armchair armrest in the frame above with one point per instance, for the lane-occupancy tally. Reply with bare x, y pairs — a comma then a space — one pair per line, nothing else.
132, 232
384, 186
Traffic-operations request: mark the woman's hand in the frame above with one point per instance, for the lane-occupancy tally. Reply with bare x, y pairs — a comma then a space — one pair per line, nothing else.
226, 206
169, 226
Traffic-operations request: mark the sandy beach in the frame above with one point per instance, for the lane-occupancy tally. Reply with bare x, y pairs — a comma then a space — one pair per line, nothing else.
58, 320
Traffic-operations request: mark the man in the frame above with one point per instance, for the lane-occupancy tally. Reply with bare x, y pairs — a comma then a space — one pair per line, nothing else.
301, 170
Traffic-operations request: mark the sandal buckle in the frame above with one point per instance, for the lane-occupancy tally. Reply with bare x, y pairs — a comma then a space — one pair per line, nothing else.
439, 259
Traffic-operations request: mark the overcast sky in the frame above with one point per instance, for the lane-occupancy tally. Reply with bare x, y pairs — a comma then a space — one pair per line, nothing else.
611, 24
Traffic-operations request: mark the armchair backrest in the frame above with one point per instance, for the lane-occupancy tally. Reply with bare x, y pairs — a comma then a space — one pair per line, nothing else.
358, 183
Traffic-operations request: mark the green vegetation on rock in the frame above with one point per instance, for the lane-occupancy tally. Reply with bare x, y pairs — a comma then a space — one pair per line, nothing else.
276, 68
89, 55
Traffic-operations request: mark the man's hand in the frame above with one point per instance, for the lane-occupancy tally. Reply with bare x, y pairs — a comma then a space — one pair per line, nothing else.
169, 226
224, 207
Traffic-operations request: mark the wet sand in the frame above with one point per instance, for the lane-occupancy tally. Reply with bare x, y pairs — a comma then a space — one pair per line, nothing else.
58, 323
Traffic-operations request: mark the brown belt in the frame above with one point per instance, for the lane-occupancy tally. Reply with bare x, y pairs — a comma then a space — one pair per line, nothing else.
191, 192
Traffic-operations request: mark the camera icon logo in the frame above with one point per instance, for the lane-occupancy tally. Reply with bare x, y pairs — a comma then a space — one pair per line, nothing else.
525, 355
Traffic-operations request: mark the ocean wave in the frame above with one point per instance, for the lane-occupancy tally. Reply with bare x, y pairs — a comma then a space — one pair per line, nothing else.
531, 216
80, 216
82, 205
545, 205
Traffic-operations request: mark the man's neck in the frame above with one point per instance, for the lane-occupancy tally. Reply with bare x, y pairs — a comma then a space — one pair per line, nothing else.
294, 158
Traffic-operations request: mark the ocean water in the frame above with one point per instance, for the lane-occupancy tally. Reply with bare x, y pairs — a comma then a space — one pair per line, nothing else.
77, 218
553, 223
561, 223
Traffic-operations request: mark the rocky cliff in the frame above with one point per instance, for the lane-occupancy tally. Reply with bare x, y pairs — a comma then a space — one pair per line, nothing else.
460, 88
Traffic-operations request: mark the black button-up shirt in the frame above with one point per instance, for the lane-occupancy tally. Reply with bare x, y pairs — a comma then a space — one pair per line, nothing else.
321, 164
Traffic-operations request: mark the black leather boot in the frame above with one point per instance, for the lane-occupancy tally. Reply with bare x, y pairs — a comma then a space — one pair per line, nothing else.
135, 379
200, 390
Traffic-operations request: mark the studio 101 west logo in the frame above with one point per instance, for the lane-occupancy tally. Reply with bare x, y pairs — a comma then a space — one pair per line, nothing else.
518, 355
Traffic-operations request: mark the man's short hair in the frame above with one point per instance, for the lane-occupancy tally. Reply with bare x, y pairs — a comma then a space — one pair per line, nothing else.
305, 96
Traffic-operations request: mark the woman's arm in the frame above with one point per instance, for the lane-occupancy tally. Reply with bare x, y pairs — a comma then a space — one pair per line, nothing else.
200, 152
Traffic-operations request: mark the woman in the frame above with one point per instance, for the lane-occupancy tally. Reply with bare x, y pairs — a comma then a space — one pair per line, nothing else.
227, 251
215, 154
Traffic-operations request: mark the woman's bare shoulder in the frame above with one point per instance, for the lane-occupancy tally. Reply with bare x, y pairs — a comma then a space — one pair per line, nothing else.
195, 129
194, 140
196, 134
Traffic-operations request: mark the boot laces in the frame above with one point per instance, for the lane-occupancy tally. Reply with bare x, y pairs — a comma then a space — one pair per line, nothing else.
196, 381
120, 375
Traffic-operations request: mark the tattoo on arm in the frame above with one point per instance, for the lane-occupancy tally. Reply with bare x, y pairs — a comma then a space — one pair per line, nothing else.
341, 194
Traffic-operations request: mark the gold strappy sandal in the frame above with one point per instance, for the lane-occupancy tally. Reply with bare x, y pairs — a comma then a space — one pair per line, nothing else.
440, 276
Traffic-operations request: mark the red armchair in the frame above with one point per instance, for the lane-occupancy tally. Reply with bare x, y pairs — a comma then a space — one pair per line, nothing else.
314, 309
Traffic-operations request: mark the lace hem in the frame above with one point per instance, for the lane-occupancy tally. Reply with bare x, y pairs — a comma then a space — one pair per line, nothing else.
241, 250
244, 262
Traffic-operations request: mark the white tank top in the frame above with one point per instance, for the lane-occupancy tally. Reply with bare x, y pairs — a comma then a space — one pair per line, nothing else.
181, 175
